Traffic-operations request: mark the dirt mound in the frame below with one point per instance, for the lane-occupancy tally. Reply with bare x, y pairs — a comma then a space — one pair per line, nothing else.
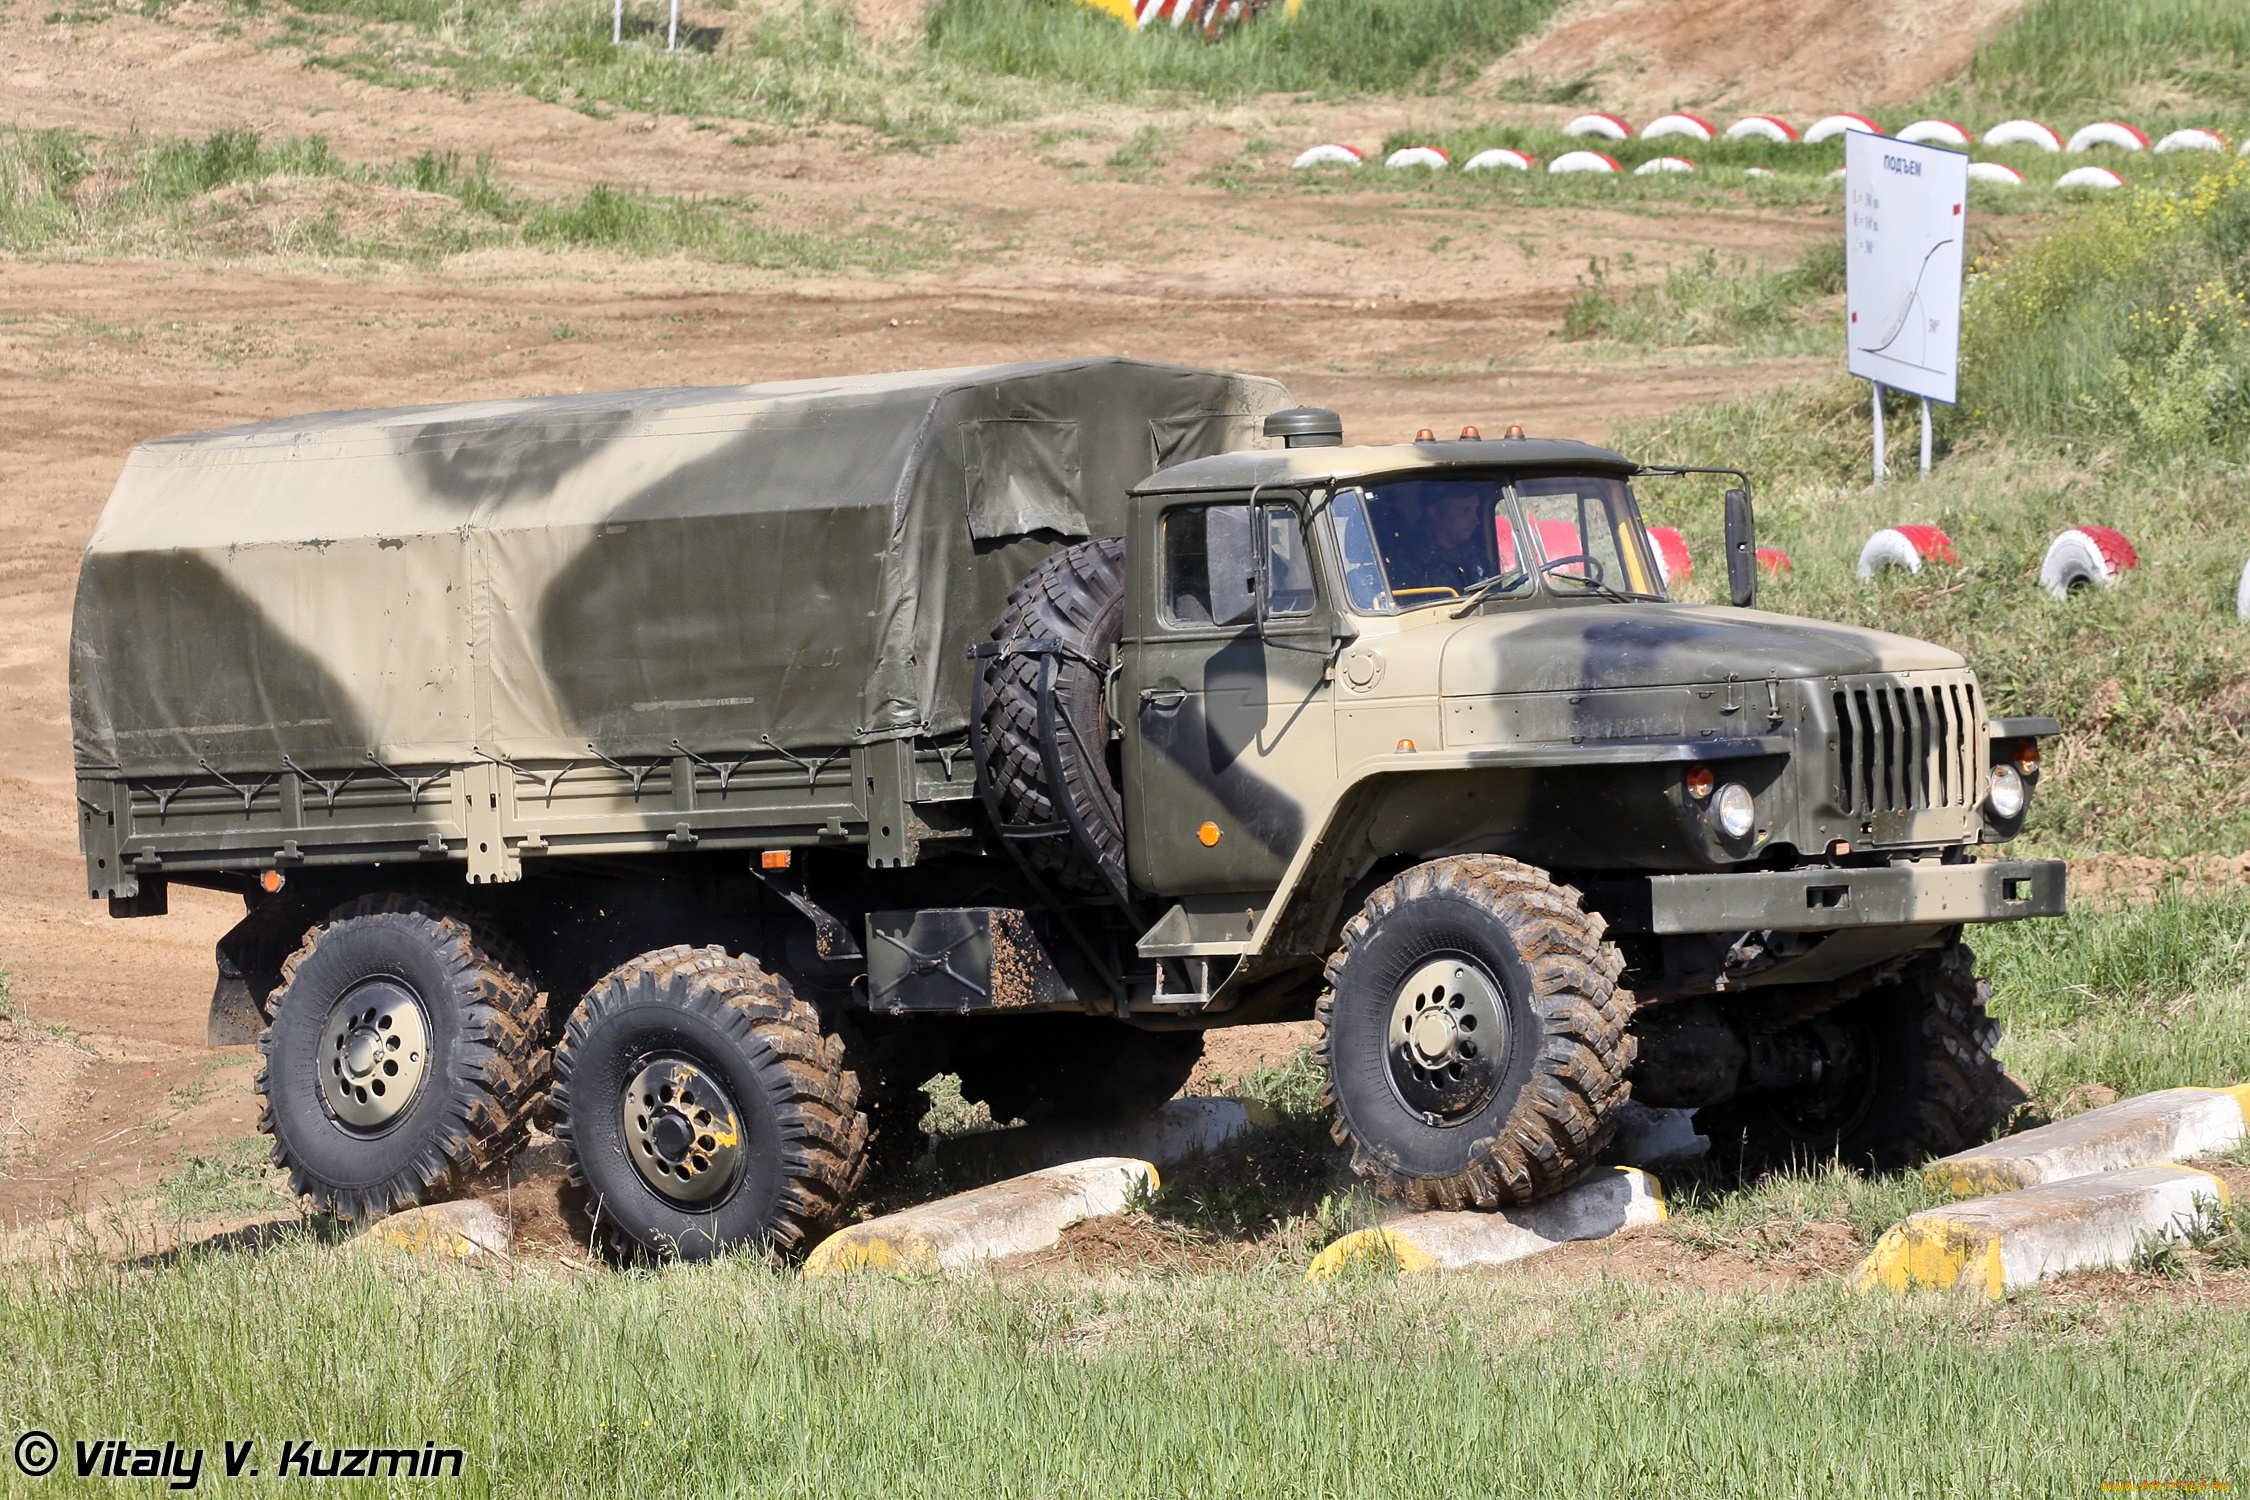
1802, 57
2134, 879
299, 215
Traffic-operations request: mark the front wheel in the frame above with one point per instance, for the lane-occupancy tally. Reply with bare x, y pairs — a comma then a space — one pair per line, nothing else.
705, 1108
1474, 1035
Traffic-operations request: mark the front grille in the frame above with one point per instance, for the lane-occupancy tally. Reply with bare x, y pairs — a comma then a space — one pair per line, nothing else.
1904, 748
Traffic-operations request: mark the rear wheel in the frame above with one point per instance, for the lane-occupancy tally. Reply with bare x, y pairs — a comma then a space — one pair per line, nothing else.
1913, 1076
705, 1108
406, 1051
1474, 1035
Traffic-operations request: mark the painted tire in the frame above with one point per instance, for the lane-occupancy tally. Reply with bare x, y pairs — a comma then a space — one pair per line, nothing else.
2108, 133
1935, 133
2086, 555
1775, 561
1905, 547
1835, 125
2024, 133
2242, 595
1500, 156
1330, 155
1418, 156
1692, 127
1672, 557
1663, 166
1584, 161
2100, 178
1607, 127
2192, 140
1995, 172
1762, 128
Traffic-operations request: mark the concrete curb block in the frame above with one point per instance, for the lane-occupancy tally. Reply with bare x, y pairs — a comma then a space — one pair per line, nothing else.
463, 1230
1990, 1246
1594, 1209
1175, 1132
2146, 1130
1024, 1213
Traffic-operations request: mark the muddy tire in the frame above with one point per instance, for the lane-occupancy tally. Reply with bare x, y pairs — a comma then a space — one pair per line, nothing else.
1474, 1035
1076, 597
1920, 1081
1064, 1067
406, 1054
704, 1107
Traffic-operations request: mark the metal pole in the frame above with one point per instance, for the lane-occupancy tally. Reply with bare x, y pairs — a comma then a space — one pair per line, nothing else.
1881, 473
672, 38
1925, 437
616, 22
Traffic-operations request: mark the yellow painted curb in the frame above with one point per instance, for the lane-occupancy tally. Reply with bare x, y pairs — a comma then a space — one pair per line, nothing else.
1595, 1207
1372, 1249
1019, 1214
1930, 1251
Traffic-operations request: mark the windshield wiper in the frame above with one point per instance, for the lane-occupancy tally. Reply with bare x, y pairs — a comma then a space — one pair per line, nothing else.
1476, 593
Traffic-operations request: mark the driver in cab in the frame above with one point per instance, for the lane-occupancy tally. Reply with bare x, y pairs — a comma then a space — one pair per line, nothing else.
1447, 547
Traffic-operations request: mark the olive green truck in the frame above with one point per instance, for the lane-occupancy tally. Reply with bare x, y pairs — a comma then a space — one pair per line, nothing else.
698, 772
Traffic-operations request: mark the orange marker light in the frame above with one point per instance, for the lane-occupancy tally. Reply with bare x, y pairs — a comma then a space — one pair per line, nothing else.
1515, 431
2027, 757
1406, 747
1700, 781
270, 881
773, 859
1840, 847
1472, 434
1209, 834
1423, 435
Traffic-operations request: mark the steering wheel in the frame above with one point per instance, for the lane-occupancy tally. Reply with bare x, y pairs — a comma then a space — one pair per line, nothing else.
1594, 564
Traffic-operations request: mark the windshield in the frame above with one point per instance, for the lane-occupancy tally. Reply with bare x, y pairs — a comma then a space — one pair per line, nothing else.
1410, 543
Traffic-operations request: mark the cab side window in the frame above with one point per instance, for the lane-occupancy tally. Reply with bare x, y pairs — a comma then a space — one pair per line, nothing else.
1211, 565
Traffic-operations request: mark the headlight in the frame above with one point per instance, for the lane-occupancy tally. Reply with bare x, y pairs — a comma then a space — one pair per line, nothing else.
2006, 797
1734, 810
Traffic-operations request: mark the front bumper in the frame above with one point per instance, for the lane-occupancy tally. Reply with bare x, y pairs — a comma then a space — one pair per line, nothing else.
1826, 900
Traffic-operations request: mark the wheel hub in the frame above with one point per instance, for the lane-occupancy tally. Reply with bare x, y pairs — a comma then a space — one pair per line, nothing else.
681, 1130
1447, 1043
375, 1052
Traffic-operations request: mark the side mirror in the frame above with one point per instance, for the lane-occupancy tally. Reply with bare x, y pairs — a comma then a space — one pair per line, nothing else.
1742, 550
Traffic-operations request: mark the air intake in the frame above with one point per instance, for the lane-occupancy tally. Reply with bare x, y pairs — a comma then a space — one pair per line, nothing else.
1306, 427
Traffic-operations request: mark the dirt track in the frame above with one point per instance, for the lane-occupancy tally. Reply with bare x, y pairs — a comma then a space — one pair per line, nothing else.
1398, 316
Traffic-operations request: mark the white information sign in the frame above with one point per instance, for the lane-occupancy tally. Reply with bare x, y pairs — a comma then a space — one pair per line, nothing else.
1907, 226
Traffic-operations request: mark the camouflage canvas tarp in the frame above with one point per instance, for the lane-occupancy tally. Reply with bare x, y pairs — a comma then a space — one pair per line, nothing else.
802, 563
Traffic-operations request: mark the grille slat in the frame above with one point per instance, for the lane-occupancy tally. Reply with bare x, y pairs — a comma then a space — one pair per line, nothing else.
1902, 748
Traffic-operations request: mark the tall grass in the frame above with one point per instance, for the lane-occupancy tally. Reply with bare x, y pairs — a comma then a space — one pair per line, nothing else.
1791, 310
731, 1379
2077, 52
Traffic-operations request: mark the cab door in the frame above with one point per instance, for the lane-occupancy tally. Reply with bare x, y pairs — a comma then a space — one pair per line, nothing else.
1223, 693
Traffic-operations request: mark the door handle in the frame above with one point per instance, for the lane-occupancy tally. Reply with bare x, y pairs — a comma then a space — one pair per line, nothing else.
1164, 698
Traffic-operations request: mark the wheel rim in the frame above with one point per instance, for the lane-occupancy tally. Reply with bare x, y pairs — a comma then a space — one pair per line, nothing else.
681, 1130
1447, 1044
374, 1054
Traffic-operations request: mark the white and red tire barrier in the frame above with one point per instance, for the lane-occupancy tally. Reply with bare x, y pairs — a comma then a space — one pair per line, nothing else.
2085, 556
2242, 595
1499, 158
1417, 156
1830, 127
1693, 127
1775, 561
1673, 560
1330, 155
2024, 133
2192, 140
2108, 133
1935, 133
1907, 547
1999, 173
2102, 179
1762, 128
1603, 127
1659, 166
1584, 161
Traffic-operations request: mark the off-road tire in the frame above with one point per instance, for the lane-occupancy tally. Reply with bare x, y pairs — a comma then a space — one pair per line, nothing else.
1934, 1086
1076, 597
1553, 1108
488, 1068
1075, 1068
804, 1136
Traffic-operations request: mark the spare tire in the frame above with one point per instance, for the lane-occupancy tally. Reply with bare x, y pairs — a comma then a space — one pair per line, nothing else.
1077, 598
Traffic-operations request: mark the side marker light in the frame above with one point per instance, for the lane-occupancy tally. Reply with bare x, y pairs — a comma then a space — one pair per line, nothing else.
1209, 834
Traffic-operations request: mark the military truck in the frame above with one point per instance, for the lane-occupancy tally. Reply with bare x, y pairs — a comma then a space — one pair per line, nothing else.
699, 772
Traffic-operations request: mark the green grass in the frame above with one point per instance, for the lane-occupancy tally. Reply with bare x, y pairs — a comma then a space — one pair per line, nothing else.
60, 190
1790, 311
1221, 1384
233, 1180
2062, 53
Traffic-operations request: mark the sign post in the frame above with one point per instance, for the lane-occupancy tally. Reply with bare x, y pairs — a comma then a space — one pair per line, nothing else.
1907, 210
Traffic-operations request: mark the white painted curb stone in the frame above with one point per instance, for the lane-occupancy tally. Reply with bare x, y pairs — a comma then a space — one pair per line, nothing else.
1330, 155
1836, 125
2108, 133
2090, 177
1993, 171
1595, 1208
1418, 156
1607, 127
466, 1229
1024, 1213
2147, 1130
1991, 1246
1934, 133
1677, 124
1658, 166
2242, 594
1584, 161
1176, 1131
2192, 140
1761, 128
2024, 133
1500, 156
